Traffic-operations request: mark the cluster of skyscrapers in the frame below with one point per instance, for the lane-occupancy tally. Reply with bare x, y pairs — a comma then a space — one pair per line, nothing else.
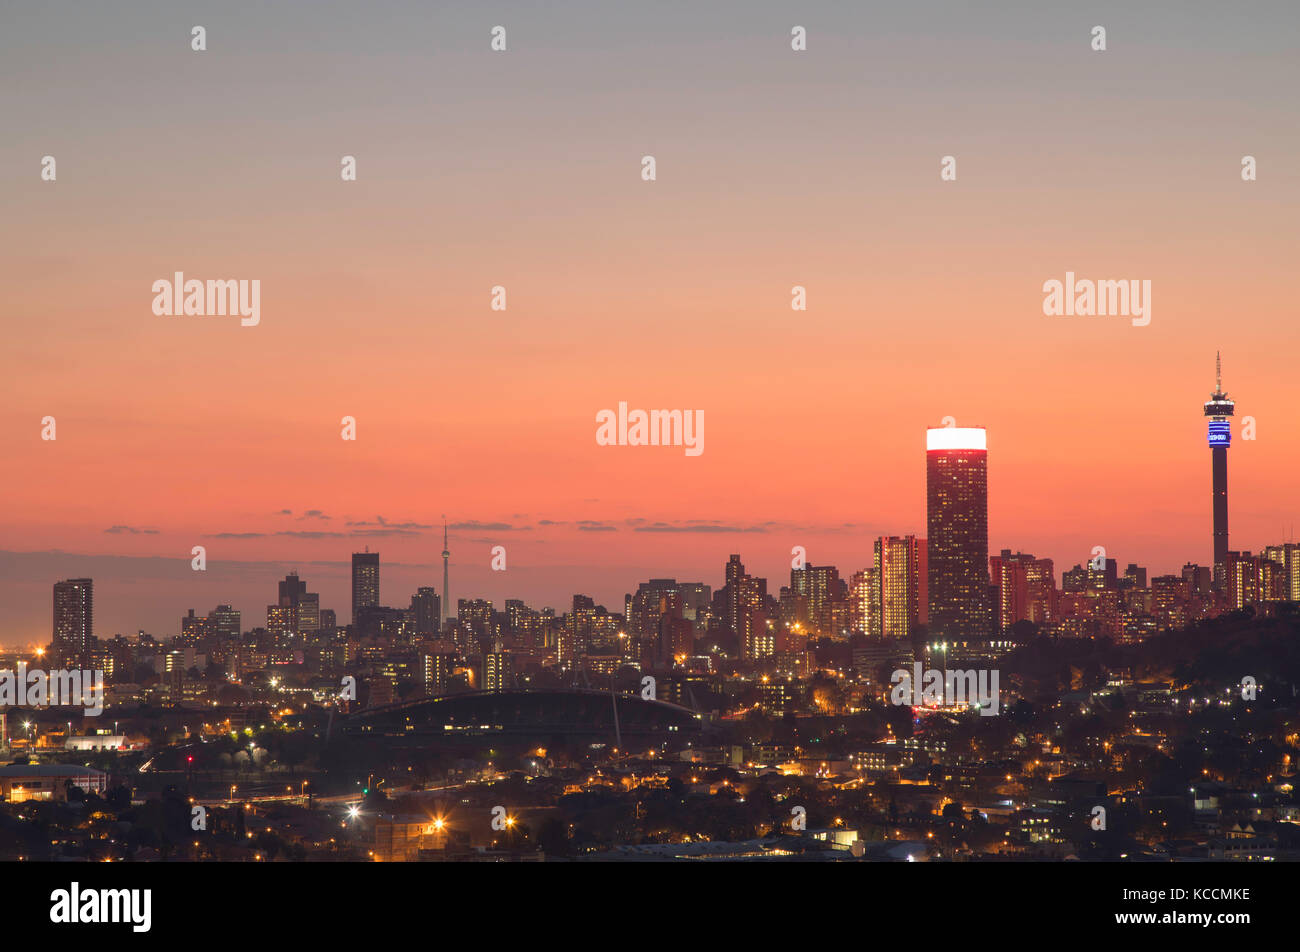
943, 588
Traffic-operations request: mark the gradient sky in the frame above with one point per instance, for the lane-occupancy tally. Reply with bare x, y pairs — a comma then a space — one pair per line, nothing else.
523, 169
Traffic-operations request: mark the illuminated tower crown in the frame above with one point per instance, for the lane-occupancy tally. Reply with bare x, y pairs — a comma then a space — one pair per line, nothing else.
1218, 408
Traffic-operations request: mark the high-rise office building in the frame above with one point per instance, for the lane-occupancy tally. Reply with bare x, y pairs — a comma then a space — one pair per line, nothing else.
1024, 589
1135, 576
309, 612
365, 581
74, 620
1170, 595
734, 572
820, 585
1241, 579
864, 602
477, 615
526, 626
428, 610
644, 608
1041, 594
498, 673
746, 611
1103, 574
296, 610
437, 667
663, 616
517, 611
291, 590
225, 622
901, 563
957, 523
1218, 408
280, 620
1254, 578
756, 638
195, 628
674, 640
1200, 578
1287, 560
1287, 555
579, 627
695, 603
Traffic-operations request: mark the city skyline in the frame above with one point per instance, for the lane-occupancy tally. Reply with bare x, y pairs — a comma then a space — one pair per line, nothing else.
924, 296
619, 434
584, 547
942, 441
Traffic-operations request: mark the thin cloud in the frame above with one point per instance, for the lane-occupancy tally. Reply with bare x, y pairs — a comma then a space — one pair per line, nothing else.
711, 528
381, 522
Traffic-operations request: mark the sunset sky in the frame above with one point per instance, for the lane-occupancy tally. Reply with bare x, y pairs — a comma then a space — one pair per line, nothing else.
522, 169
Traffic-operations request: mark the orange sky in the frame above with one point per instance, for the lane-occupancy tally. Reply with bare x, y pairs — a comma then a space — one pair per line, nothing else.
522, 169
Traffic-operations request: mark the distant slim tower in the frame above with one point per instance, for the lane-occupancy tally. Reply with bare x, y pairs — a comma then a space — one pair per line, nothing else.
446, 594
1218, 408
365, 581
957, 520
74, 620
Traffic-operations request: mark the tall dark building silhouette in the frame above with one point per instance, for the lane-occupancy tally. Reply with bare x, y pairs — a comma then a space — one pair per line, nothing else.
225, 621
735, 571
746, 597
74, 620
645, 609
1218, 408
365, 581
427, 607
957, 522
821, 589
296, 610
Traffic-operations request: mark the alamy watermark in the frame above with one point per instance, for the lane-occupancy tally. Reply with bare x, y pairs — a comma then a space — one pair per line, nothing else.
933, 687
76, 905
36, 688
651, 428
211, 298
1105, 298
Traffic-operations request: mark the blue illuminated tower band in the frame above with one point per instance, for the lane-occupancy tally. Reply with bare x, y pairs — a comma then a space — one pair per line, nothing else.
1219, 408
